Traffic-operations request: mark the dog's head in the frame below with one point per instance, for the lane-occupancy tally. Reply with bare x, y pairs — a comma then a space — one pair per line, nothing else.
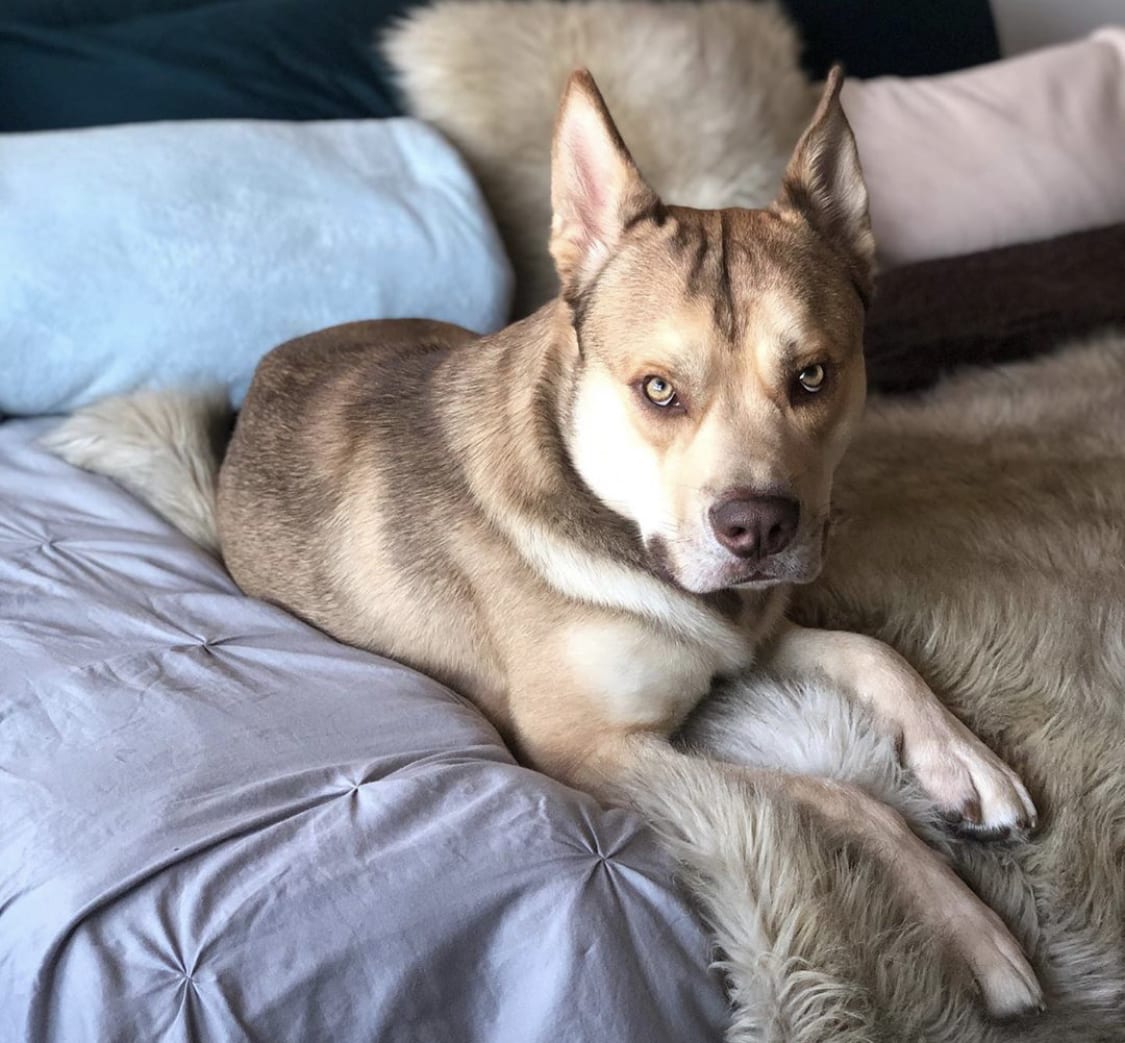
720, 371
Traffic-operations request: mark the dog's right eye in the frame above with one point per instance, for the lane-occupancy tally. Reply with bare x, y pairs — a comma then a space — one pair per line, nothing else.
659, 392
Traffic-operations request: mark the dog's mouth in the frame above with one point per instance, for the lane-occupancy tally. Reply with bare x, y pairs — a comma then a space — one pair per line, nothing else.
801, 565
756, 578
798, 564
759, 577
801, 570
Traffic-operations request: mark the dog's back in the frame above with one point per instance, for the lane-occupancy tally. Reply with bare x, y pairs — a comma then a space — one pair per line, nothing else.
319, 407
339, 496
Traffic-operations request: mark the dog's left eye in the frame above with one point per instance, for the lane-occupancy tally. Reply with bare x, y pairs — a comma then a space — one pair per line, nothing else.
811, 378
659, 392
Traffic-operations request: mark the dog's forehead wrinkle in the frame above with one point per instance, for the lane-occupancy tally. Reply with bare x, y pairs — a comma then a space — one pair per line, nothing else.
698, 263
747, 267
725, 311
698, 255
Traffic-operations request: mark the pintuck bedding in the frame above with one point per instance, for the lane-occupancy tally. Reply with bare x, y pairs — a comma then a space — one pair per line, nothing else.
220, 824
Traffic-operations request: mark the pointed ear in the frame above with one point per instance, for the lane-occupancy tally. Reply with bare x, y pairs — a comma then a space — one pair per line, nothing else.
596, 189
824, 183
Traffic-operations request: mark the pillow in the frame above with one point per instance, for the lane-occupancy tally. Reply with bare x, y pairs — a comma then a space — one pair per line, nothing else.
78, 12
893, 37
708, 96
871, 37
179, 253
94, 62
1015, 151
931, 318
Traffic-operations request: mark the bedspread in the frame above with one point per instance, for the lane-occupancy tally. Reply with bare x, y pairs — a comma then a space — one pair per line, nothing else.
220, 824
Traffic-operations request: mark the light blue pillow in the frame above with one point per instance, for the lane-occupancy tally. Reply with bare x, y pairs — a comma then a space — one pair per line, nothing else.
168, 254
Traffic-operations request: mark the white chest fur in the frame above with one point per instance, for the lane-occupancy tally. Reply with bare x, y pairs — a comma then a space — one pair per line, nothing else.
640, 675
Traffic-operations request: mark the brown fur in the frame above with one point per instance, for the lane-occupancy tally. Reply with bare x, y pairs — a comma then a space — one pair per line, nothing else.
321, 506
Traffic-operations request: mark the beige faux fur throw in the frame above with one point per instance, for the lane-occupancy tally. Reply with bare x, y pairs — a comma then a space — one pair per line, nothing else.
981, 531
709, 97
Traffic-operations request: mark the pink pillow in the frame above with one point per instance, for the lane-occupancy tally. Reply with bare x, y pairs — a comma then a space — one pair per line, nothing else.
1010, 152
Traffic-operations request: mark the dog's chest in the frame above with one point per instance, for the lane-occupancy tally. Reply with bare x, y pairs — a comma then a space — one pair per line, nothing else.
639, 676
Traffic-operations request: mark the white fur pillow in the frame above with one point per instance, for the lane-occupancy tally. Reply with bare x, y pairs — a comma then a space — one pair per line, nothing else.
708, 96
1009, 152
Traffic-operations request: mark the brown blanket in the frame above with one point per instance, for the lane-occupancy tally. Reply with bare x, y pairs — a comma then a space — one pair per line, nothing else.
1016, 302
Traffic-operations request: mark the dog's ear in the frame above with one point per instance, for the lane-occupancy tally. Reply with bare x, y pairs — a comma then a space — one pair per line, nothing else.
596, 189
825, 184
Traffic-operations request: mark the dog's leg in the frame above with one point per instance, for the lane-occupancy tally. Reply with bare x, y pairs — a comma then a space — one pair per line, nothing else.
705, 805
972, 787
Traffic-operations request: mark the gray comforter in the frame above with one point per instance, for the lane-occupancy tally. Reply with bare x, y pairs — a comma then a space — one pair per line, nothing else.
219, 824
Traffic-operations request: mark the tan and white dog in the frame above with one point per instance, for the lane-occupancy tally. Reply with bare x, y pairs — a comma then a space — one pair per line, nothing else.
583, 520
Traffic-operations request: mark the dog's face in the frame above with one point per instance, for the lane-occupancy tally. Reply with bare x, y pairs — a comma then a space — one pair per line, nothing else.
721, 368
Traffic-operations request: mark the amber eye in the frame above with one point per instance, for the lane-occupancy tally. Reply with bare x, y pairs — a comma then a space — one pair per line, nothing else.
659, 392
811, 378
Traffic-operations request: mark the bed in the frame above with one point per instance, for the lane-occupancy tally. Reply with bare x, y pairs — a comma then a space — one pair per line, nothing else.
221, 824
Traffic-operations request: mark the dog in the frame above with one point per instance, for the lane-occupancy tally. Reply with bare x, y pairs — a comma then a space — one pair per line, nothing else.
583, 520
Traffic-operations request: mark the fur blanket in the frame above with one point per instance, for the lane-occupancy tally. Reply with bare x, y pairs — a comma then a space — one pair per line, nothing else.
709, 96
981, 531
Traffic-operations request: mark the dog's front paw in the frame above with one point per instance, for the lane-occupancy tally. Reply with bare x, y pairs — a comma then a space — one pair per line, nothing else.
972, 787
1007, 983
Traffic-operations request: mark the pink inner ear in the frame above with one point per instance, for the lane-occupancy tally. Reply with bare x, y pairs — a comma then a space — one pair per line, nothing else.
591, 172
589, 201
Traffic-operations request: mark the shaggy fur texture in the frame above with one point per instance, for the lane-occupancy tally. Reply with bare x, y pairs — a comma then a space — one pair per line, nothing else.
709, 97
981, 531
156, 446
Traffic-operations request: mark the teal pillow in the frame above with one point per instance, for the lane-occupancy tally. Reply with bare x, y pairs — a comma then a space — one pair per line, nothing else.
102, 62
83, 12
892, 37
77, 63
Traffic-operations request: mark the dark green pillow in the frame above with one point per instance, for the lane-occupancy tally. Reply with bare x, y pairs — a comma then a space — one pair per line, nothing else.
894, 37
249, 59
74, 63
83, 12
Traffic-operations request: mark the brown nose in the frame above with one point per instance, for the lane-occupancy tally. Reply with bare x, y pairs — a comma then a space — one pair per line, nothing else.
755, 526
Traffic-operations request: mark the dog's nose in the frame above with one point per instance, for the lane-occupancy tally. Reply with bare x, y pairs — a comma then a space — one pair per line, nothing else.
755, 526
